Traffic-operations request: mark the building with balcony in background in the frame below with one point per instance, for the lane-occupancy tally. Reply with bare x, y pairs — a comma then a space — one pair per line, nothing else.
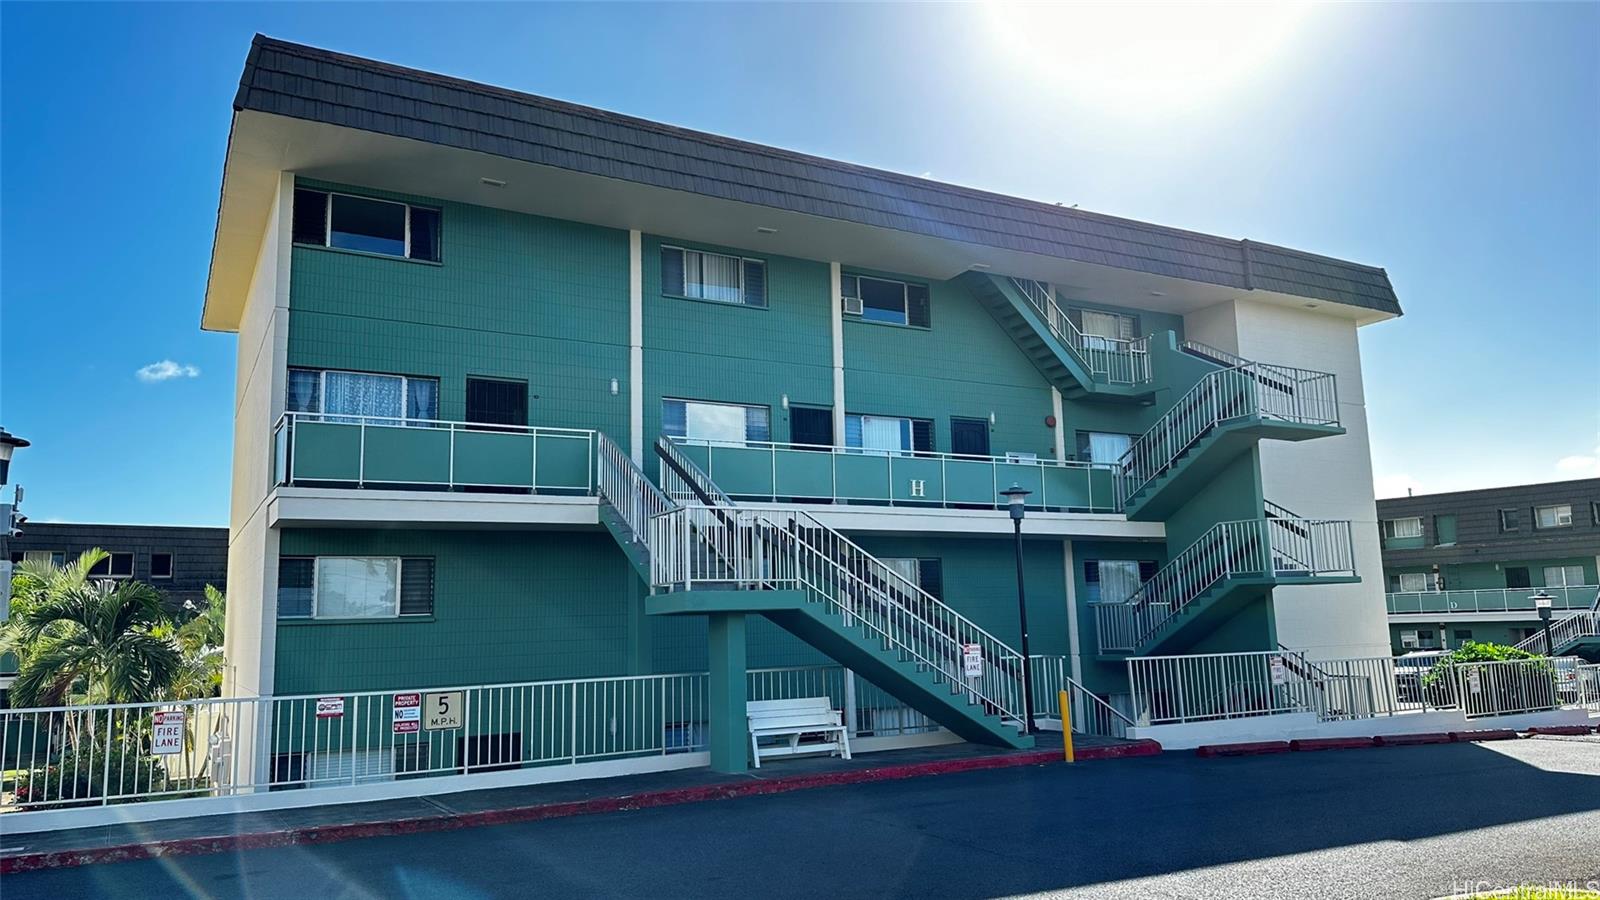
528, 390
1464, 566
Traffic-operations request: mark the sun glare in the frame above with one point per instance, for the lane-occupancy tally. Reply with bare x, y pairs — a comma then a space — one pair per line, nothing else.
1137, 56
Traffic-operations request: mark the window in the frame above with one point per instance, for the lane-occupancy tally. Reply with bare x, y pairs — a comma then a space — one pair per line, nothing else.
892, 302
117, 565
494, 402
1517, 578
161, 565
701, 421
348, 222
1520, 634
1594, 512
1115, 580
1462, 635
1509, 520
1444, 530
354, 587
1563, 576
1402, 528
713, 276
969, 437
1102, 448
1413, 582
1552, 516
888, 434
362, 394
927, 574
52, 557
1103, 330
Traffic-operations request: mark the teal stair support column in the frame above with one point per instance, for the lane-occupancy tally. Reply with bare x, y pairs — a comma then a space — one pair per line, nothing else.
729, 735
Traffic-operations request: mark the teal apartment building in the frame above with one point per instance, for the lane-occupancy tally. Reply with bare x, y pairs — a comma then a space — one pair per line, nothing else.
1465, 566
528, 391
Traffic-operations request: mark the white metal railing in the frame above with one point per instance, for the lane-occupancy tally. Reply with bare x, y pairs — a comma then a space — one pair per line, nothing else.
1215, 354
1509, 686
1088, 713
869, 710
1281, 549
1116, 360
1401, 603
747, 548
1274, 392
1588, 686
677, 487
932, 470
1564, 631
627, 489
751, 549
398, 452
1171, 689
97, 755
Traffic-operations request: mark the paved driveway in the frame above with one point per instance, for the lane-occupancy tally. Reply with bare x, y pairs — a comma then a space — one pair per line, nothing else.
1398, 822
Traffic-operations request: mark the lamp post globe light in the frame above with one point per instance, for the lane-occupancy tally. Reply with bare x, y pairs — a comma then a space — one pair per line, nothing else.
1542, 601
9, 443
1016, 501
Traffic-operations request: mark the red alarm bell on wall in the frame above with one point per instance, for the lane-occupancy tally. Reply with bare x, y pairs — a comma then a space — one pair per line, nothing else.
1049, 421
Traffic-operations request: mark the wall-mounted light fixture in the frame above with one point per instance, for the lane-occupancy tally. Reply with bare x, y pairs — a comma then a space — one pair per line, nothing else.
491, 182
991, 417
766, 229
613, 387
785, 401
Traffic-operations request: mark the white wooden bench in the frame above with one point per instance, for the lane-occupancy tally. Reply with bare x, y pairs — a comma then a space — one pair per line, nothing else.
794, 719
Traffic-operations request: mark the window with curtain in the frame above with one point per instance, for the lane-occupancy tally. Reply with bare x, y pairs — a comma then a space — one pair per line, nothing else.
1102, 447
1403, 528
703, 421
350, 396
713, 276
1413, 582
1552, 516
1104, 329
888, 434
1563, 576
357, 587
1111, 580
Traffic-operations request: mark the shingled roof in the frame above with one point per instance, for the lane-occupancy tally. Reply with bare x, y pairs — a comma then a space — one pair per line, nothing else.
303, 82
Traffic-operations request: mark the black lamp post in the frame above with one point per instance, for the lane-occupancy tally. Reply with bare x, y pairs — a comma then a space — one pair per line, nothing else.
8, 444
1016, 500
1542, 602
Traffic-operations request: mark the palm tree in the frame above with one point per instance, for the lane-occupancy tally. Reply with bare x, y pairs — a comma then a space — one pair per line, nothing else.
96, 637
200, 641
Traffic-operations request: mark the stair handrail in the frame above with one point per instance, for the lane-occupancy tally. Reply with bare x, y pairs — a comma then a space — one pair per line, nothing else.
1136, 350
908, 605
1221, 396
622, 484
685, 480
1216, 354
1570, 628
1096, 716
1275, 511
1226, 549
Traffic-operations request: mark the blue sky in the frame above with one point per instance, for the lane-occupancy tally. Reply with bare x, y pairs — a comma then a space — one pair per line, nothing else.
1457, 145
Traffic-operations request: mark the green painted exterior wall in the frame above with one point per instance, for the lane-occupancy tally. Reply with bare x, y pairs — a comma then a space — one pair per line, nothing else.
1487, 632
525, 297
1492, 575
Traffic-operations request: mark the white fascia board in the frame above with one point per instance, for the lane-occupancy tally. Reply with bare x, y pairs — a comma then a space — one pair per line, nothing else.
977, 522
329, 506
1516, 615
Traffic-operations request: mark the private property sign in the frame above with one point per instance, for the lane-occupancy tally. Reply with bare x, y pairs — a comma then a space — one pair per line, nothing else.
407, 713
166, 732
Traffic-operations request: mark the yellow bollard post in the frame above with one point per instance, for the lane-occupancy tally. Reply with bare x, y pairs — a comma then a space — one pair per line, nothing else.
1066, 725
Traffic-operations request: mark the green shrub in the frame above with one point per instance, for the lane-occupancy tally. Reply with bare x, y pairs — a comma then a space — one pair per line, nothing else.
1473, 652
83, 777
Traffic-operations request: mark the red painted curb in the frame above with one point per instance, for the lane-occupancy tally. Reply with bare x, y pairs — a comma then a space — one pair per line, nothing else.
1250, 749
1337, 743
1561, 729
1408, 740
1487, 734
327, 834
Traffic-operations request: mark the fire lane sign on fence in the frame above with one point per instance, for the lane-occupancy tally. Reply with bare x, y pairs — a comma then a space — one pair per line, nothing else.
972, 660
1280, 672
407, 713
330, 707
166, 732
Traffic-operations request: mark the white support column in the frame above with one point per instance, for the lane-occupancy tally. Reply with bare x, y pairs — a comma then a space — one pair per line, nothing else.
1074, 652
836, 317
1061, 425
636, 346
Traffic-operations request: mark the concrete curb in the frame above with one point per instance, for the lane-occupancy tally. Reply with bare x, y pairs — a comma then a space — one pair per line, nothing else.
1336, 743
1484, 734
1411, 740
1561, 729
327, 834
1253, 748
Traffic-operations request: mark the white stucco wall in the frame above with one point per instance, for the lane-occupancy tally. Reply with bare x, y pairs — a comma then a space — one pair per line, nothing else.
258, 402
1323, 478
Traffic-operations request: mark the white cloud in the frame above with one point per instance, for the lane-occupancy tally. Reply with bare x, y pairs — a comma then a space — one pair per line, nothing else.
165, 370
1580, 466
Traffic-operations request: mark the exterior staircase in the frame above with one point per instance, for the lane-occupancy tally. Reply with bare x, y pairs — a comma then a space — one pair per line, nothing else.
705, 555
1231, 565
1223, 415
1577, 634
1082, 366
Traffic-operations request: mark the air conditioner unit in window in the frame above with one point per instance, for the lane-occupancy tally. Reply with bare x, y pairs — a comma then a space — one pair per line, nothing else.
1408, 640
852, 306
